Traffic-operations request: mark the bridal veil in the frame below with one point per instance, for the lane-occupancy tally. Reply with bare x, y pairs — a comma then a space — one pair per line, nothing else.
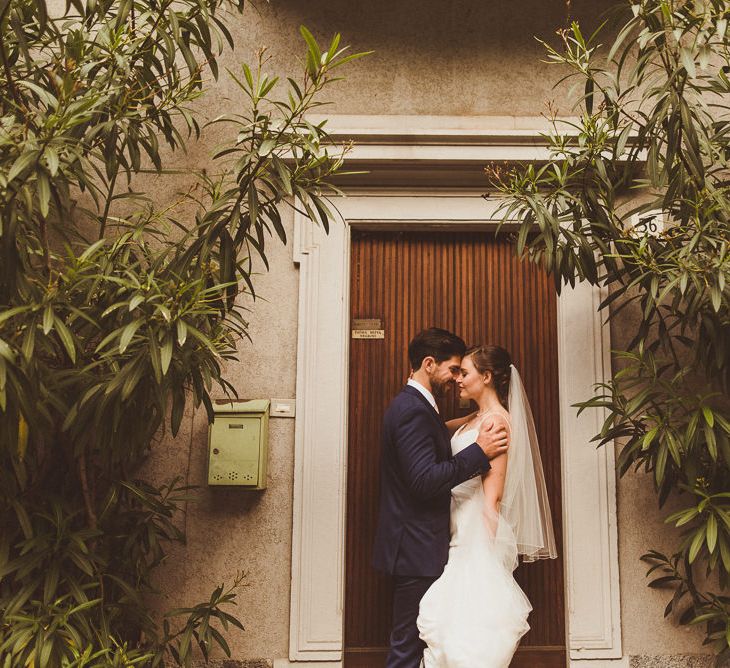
525, 504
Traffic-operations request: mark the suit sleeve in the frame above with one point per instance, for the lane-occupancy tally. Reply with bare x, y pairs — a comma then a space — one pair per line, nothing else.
416, 450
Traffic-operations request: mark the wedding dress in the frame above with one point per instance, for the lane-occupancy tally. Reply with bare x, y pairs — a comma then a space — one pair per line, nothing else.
475, 614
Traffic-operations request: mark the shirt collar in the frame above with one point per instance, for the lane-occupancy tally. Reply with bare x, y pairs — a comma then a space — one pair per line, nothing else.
424, 392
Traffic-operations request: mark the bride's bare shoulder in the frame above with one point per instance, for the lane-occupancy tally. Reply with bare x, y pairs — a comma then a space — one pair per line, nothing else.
502, 417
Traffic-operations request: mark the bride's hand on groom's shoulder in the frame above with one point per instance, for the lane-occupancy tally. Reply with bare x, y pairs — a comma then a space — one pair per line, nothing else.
492, 438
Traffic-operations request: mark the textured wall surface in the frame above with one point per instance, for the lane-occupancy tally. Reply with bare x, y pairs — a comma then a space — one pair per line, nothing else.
465, 57
671, 661
451, 58
231, 530
641, 528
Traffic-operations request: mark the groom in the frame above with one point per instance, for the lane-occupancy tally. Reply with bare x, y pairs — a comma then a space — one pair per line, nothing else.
417, 474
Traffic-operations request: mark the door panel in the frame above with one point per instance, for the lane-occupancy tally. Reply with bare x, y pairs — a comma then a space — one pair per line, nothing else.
472, 284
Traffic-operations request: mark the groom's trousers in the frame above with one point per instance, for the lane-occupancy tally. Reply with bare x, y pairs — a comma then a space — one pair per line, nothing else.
406, 648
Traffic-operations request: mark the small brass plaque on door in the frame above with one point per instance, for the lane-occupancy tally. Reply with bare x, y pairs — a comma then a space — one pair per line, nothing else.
367, 328
367, 323
368, 333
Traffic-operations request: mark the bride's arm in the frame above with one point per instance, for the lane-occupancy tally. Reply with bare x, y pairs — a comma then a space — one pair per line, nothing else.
454, 424
493, 484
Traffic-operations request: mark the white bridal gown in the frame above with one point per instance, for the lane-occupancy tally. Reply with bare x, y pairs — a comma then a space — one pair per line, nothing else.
474, 615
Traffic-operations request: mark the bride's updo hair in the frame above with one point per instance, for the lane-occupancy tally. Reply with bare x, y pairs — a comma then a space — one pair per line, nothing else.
497, 360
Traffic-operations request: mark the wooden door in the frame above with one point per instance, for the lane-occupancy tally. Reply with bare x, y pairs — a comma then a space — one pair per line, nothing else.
472, 284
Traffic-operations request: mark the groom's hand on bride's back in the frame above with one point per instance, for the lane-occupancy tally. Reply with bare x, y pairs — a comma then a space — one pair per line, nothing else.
492, 438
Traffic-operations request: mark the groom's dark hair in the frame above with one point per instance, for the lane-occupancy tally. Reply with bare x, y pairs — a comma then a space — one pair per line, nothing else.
434, 342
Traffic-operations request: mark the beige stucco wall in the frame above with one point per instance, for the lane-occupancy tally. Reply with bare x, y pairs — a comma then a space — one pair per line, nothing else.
452, 58
641, 528
229, 530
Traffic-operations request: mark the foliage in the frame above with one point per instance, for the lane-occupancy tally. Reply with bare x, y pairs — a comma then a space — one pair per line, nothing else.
653, 133
116, 312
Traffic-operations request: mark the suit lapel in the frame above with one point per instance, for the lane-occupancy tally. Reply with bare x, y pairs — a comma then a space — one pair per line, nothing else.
409, 389
445, 441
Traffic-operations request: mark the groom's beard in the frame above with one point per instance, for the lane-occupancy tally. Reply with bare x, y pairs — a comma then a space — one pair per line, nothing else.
440, 389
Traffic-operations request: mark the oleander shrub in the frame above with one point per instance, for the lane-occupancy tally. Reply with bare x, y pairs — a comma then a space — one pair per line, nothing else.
116, 310
635, 198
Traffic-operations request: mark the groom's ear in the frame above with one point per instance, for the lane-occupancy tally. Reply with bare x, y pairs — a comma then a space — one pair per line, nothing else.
428, 363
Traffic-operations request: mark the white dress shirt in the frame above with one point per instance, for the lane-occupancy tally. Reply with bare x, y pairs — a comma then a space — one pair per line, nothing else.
424, 392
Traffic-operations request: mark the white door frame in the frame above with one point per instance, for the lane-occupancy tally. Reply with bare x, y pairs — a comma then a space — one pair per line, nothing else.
588, 474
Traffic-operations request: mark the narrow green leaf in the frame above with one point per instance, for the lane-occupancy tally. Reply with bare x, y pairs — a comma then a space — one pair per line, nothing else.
166, 354
649, 438
23, 435
284, 175
588, 93
623, 138
711, 533
182, 332
155, 359
248, 75
312, 44
52, 160
128, 333
44, 95
66, 338
697, 542
266, 147
24, 161
23, 519
711, 442
48, 317
687, 58
44, 193
661, 463
687, 516
716, 297
724, 553
11, 312
6, 351
132, 379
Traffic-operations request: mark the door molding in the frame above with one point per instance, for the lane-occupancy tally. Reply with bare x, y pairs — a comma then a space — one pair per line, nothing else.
320, 456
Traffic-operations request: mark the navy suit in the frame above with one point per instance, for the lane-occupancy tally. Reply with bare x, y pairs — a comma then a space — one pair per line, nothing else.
412, 539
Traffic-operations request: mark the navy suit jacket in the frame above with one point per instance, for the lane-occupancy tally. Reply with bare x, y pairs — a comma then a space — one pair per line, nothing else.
416, 476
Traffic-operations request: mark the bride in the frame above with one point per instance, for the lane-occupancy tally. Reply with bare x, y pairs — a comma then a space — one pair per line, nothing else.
474, 615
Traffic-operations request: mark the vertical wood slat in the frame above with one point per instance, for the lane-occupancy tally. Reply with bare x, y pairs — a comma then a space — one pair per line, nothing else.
473, 284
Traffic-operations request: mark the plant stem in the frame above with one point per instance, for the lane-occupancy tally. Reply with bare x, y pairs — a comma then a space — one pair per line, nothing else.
6, 64
44, 243
107, 205
91, 515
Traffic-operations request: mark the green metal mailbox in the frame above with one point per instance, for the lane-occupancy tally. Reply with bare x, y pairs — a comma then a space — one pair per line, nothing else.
238, 444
